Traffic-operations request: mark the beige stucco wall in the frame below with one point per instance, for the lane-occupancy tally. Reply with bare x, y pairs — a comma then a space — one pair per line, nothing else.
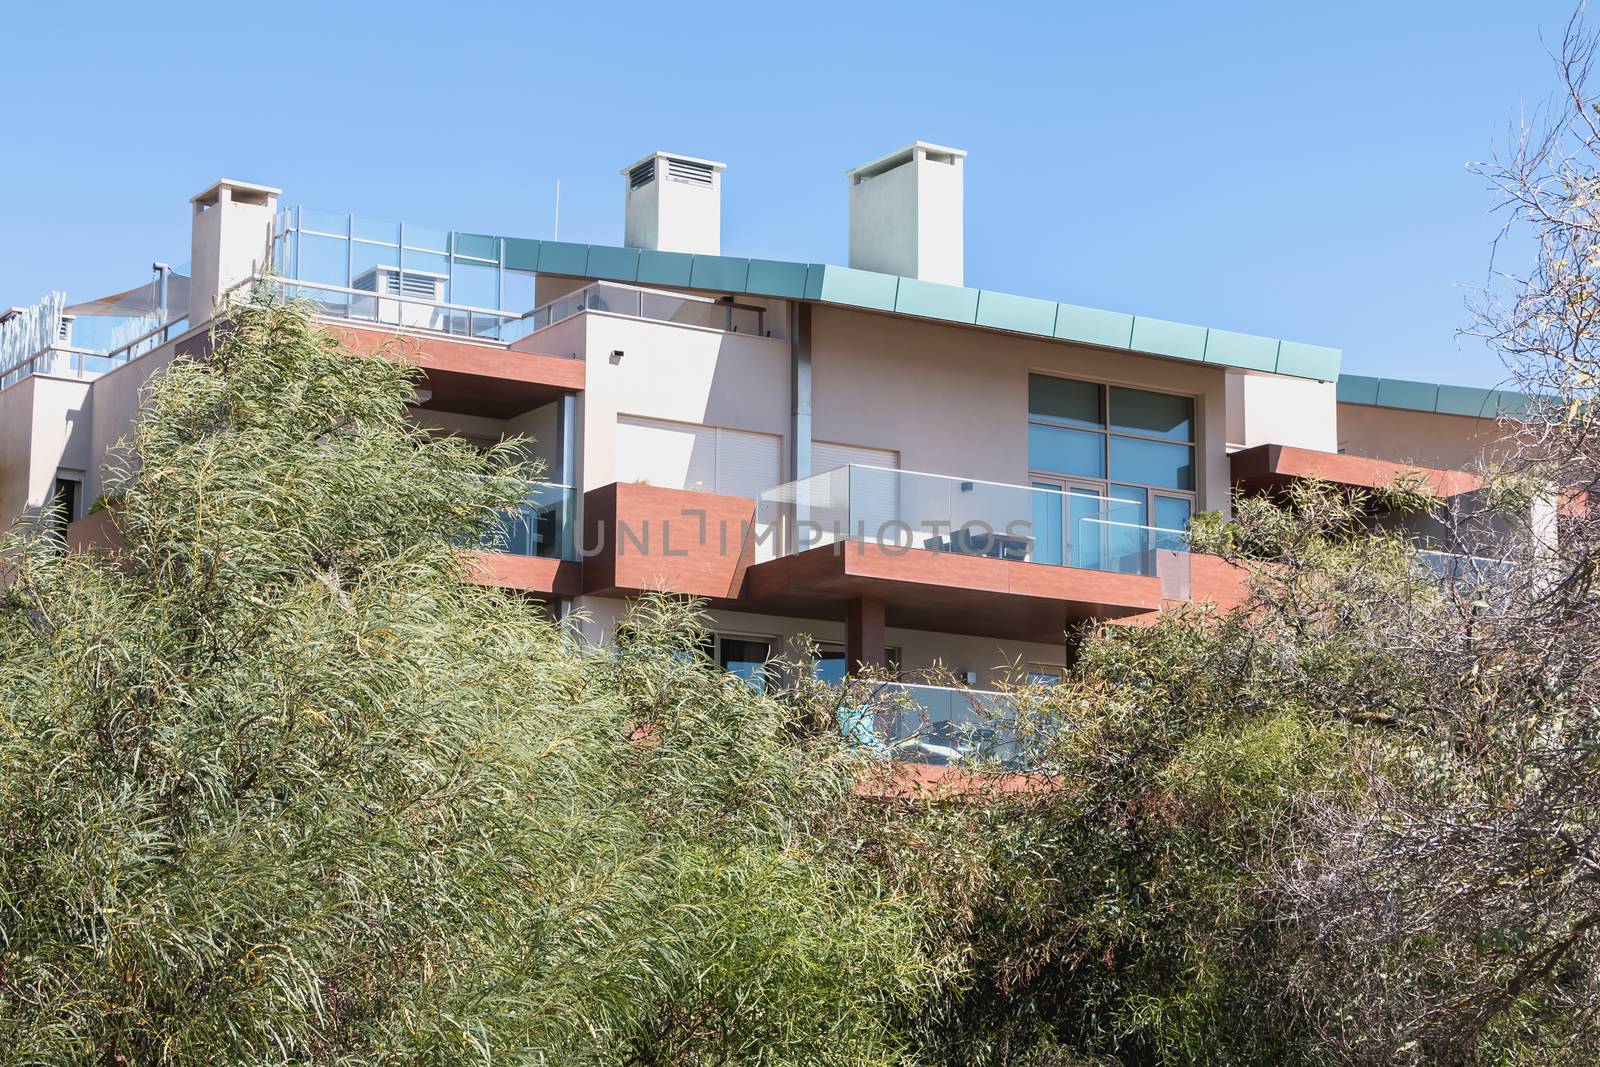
955, 401
44, 429
920, 650
116, 398
1266, 409
680, 373
1453, 442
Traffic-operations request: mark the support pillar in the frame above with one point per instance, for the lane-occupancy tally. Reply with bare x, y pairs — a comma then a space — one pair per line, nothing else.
864, 639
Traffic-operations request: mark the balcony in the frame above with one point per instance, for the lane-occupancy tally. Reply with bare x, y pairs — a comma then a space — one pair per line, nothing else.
933, 725
944, 553
532, 549
1272, 468
86, 347
656, 305
901, 510
402, 275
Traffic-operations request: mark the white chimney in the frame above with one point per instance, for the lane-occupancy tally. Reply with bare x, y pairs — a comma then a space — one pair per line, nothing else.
230, 238
906, 213
674, 204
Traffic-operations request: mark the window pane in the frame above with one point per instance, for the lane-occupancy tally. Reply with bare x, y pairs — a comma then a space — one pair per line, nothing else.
1047, 502
1152, 414
1126, 530
1077, 452
1064, 400
1172, 514
1153, 463
1087, 528
745, 659
829, 665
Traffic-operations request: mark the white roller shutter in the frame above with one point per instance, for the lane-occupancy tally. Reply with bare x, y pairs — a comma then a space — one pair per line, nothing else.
825, 456
708, 459
874, 496
673, 455
748, 464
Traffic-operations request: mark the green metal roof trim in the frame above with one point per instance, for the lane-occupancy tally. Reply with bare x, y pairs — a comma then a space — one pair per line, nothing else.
1430, 397
849, 287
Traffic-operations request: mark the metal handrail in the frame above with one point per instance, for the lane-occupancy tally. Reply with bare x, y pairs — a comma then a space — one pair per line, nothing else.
117, 356
583, 304
399, 297
963, 480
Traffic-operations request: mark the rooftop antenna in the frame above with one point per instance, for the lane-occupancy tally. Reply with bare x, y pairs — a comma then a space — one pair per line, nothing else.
557, 235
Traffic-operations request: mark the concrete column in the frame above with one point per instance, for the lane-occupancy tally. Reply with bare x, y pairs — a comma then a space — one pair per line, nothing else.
864, 637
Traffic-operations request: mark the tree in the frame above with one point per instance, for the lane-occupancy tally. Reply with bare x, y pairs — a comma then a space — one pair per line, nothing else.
278, 785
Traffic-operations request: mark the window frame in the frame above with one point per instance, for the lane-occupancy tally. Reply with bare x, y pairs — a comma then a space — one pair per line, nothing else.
1104, 485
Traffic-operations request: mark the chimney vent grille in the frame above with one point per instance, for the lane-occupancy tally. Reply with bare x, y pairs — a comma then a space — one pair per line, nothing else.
683, 170
643, 174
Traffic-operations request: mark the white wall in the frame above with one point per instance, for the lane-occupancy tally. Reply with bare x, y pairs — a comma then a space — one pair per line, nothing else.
44, 430
907, 217
1265, 409
677, 373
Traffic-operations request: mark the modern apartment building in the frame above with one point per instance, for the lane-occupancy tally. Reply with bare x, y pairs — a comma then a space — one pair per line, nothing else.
910, 471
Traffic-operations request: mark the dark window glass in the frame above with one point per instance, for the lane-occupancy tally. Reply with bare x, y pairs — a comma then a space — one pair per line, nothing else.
829, 665
64, 495
1153, 463
1075, 452
744, 658
1152, 414
1064, 400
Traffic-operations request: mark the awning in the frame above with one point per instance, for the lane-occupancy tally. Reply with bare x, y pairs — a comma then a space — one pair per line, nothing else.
140, 301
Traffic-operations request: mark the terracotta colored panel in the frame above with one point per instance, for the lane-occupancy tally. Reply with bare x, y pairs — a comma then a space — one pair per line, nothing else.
473, 378
1267, 467
639, 538
1216, 580
533, 574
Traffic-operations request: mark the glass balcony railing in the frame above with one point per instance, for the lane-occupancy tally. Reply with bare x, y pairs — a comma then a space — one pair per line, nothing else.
659, 306
904, 510
74, 361
1475, 572
399, 274
392, 308
931, 724
541, 526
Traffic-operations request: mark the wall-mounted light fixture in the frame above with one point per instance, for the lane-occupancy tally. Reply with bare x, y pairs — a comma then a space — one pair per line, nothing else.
423, 396
616, 356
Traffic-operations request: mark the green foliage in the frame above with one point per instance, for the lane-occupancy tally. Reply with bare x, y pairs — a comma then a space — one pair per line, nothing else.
277, 786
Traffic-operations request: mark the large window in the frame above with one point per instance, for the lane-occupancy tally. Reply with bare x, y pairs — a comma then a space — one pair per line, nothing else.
1092, 442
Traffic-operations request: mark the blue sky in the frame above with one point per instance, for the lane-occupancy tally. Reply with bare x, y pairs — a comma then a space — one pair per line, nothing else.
1292, 170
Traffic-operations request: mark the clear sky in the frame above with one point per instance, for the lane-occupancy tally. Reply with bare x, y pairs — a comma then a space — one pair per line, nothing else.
1295, 170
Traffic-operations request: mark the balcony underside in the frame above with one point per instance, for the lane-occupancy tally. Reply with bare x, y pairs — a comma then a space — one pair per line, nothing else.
470, 377
1272, 468
948, 592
